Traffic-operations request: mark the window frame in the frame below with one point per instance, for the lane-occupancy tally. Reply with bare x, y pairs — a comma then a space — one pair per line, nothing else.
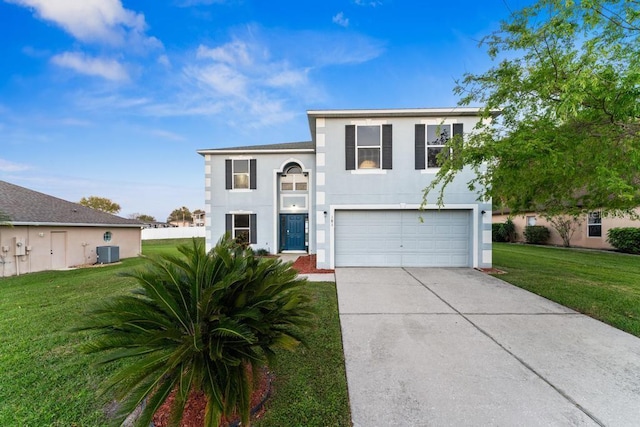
421, 152
251, 230
230, 174
385, 147
235, 174
594, 219
369, 147
441, 146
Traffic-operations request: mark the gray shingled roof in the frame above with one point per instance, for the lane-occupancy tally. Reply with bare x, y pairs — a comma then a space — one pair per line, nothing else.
305, 145
22, 205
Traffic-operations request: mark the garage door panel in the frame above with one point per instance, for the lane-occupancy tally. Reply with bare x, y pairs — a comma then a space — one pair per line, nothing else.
403, 238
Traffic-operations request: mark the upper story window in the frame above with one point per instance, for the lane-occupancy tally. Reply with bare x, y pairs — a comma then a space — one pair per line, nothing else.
240, 174
293, 179
368, 147
430, 140
594, 224
437, 137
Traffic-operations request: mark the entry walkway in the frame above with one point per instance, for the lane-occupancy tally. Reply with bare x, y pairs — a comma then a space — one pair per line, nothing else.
456, 347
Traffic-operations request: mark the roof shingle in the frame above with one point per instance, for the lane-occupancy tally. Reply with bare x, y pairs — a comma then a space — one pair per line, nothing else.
22, 205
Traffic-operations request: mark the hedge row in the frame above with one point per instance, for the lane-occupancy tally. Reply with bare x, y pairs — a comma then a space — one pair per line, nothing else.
625, 239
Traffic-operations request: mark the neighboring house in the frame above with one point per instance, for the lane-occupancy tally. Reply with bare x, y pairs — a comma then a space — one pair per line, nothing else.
47, 233
352, 194
590, 231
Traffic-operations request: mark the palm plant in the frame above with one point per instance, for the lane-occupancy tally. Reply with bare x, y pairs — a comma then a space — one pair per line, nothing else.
200, 322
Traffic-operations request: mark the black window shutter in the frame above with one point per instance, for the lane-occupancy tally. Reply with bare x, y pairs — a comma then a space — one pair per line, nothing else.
228, 174
229, 224
253, 176
457, 129
252, 228
387, 147
350, 147
420, 148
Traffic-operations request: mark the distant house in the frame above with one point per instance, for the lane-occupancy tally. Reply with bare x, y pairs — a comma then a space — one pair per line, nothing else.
46, 233
590, 232
352, 195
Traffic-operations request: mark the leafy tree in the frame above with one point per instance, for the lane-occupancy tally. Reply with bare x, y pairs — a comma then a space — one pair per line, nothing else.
568, 87
565, 225
182, 214
100, 204
199, 322
142, 217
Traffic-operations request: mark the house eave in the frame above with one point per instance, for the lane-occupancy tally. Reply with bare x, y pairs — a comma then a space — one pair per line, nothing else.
250, 151
401, 112
71, 224
396, 112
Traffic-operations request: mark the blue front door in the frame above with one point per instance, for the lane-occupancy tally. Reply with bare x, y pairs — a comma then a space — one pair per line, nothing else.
292, 232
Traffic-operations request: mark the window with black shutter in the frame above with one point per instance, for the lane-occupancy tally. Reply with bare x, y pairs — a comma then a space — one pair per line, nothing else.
241, 174
430, 141
242, 227
368, 147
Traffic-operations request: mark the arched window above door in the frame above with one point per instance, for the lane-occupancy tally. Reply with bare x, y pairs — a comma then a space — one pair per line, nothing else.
293, 178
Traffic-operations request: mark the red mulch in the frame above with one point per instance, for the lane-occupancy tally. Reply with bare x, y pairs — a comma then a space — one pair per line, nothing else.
193, 415
307, 265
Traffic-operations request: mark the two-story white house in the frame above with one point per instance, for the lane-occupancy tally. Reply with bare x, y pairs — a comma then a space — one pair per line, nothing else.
352, 195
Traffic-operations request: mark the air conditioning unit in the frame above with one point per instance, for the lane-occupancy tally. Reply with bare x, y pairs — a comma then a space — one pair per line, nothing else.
108, 254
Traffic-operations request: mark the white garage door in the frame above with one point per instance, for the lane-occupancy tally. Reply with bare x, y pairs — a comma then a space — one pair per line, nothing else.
400, 239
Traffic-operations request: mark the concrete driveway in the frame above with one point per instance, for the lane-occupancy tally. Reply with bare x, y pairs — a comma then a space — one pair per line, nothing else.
456, 347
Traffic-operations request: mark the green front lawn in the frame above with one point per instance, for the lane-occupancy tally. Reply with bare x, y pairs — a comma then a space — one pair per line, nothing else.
603, 285
45, 381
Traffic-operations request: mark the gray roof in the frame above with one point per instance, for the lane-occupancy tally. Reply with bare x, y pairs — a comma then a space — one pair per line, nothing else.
24, 206
305, 145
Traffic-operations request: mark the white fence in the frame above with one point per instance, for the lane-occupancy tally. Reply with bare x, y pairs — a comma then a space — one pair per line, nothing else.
172, 233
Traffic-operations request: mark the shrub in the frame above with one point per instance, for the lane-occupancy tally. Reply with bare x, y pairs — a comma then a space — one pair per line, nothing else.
199, 322
536, 234
504, 232
496, 232
262, 252
625, 239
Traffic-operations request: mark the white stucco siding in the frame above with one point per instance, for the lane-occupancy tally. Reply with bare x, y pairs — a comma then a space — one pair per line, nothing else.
262, 201
398, 187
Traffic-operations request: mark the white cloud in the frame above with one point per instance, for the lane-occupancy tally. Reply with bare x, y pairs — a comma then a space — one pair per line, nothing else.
288, 78
340, 20
188, 3
234, 53
103, 21
7, 166
164, 60
106, 68
223, 79
371, 3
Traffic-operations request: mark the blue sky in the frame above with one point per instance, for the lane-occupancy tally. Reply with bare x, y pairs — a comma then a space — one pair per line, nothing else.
112, 98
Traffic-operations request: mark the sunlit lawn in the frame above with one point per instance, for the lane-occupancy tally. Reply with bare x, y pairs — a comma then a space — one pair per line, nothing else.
46, 381
603, 285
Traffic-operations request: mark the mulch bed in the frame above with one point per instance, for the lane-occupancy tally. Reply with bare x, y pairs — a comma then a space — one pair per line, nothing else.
193, 415
307, 265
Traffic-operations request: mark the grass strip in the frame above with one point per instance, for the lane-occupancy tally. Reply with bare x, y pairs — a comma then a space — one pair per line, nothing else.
603, 285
